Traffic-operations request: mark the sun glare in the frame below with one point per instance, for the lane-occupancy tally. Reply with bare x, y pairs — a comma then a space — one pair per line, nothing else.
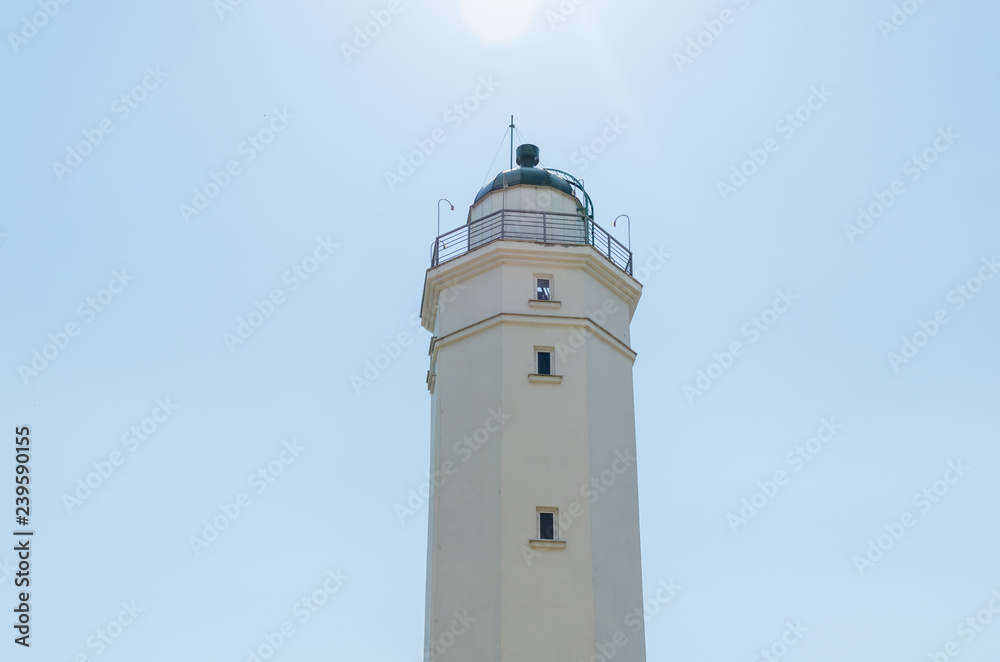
498, 21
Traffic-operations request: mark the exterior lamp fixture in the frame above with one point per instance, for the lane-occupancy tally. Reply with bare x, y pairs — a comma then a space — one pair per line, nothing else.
614, 223
439, 212
439, 223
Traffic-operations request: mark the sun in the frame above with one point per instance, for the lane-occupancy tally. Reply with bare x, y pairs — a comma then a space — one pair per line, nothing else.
498, 21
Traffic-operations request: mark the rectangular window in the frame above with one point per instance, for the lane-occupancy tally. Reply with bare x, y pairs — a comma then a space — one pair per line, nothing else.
543, 290
544, 363
546, 525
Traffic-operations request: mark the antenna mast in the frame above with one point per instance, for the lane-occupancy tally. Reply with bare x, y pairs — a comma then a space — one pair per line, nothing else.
511, 142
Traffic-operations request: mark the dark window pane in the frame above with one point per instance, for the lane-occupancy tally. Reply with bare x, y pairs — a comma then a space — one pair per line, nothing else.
542, 293
546, 522
544, 363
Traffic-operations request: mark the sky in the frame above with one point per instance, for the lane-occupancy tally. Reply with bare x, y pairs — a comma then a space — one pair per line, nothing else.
216, 224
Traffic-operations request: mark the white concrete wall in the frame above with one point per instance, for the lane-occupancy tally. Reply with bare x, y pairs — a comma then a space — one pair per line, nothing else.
485, 293
617, 576
525, 198
547, 605
465, 543
560, 603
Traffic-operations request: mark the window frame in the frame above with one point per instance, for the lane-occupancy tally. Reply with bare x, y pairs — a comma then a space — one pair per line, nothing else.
545, 277
538, 367
539, 511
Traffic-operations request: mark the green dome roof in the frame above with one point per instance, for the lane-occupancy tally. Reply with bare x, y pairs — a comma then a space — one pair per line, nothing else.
528, 176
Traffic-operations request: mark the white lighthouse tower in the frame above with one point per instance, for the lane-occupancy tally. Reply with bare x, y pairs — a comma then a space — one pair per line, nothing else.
533, 551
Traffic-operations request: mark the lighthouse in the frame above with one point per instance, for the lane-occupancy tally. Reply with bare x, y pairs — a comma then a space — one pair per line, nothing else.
533, 540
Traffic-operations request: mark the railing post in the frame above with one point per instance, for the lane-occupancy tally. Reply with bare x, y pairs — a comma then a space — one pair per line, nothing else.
544, 230
609, 247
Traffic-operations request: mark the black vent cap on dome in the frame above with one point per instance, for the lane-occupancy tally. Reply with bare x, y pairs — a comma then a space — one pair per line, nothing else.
527, 156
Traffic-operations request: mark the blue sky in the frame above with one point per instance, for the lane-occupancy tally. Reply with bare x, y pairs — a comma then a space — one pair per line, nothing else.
121, 116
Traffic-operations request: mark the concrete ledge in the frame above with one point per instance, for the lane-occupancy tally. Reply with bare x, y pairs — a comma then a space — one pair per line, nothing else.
538, 320
548, 544
538, 303
545, 379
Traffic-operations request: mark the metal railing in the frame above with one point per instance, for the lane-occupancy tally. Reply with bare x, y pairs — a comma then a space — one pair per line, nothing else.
533, 226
